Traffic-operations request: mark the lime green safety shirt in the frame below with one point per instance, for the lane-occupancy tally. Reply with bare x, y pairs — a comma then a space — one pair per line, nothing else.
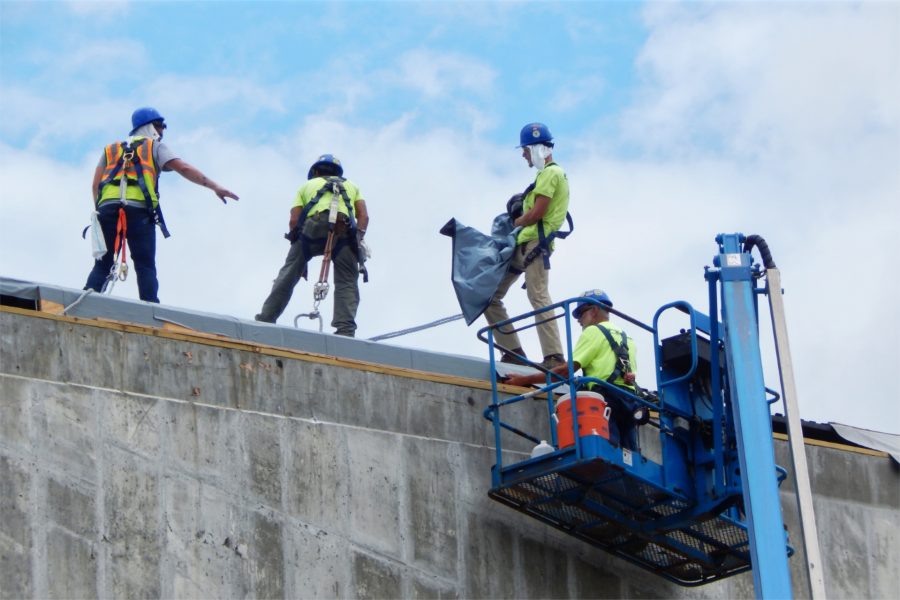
309, 189
598, 360
550, 182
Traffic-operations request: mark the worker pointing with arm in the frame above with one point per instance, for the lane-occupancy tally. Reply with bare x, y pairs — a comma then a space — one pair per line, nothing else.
126, 196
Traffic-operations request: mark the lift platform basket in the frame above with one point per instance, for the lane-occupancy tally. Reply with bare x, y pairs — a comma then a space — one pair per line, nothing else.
608, 507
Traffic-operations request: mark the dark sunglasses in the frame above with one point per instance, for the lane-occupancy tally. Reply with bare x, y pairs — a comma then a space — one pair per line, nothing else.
580, 311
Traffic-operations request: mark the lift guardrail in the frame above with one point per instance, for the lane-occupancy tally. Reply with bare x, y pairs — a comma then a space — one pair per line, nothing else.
681, 516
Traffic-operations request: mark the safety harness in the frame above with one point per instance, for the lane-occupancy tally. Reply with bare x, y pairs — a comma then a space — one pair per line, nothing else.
127, 160
334, 185
623, 361
125, 163
545, 242
622, 368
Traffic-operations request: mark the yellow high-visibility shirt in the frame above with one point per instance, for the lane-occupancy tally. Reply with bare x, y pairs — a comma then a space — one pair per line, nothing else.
309, 190
552, 183
596, 357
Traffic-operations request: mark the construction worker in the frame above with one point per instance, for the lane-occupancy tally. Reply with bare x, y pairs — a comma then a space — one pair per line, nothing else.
129, 205
326, 192
544, 208
604, 352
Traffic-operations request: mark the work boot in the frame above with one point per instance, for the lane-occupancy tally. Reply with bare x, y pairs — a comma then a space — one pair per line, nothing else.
262, 319
553, 360
510, 358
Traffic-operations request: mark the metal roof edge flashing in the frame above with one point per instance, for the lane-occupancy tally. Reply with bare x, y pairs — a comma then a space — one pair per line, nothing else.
75, 303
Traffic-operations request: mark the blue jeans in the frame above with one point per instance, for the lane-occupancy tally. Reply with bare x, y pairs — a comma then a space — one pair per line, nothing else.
141, 240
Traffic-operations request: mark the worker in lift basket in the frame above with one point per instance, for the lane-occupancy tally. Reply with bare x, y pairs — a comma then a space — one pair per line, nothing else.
605, 352
544, 207
126, 196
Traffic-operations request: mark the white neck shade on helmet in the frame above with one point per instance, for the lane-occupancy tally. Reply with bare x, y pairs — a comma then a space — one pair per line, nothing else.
147, 130
539, 154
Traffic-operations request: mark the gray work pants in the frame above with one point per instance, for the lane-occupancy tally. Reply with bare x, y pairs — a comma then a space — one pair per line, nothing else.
537, 280
346, 275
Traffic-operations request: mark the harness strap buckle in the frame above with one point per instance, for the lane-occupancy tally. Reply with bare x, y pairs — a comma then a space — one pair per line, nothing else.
320, 291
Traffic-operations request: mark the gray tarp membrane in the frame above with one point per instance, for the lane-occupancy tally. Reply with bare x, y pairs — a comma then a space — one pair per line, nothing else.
479, 262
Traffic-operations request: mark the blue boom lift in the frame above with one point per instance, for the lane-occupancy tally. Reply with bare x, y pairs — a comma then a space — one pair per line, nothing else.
710, 507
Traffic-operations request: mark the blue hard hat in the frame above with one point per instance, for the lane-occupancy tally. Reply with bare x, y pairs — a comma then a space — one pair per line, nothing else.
327, 163
534, 133
144, 115
596, 295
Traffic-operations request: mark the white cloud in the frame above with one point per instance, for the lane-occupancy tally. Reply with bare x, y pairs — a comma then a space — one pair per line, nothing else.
89, 60
200, 95
578, 93
435, 74
768, 81
44, 119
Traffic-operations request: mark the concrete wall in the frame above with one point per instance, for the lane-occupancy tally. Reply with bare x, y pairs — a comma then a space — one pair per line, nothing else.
143, 466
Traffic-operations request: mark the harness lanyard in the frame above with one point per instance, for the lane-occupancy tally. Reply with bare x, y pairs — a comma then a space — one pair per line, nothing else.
119, 269
320, 289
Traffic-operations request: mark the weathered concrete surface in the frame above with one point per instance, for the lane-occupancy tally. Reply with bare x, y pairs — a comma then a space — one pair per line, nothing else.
139, 466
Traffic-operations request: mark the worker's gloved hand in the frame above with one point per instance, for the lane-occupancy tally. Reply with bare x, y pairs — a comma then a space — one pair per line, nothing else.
514, 207
364, 252
628, 378
293, 235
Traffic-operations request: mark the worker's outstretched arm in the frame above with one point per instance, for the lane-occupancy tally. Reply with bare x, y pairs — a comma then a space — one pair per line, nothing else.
193, 174
536, 213
523, 380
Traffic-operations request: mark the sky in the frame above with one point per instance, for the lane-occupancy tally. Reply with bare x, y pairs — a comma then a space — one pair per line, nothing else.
674, 121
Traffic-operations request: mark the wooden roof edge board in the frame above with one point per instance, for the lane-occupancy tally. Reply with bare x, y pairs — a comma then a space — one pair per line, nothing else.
54, 308
835, 445
265, 349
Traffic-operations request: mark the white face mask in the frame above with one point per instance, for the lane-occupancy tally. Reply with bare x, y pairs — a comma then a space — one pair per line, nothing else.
539, 154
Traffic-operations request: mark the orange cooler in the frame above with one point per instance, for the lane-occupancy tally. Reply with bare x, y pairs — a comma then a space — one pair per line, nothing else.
593, 418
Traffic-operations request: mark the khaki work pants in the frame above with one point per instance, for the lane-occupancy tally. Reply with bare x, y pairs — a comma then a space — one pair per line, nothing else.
537, 280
